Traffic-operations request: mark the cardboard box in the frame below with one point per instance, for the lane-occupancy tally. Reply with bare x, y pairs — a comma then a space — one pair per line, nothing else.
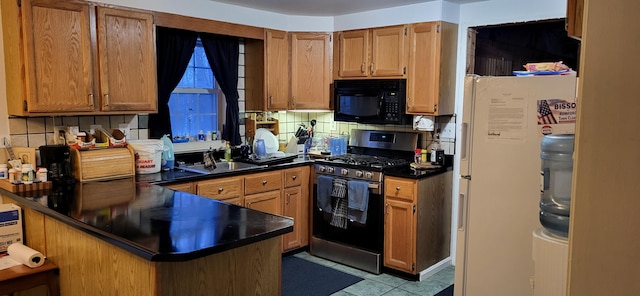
10, 226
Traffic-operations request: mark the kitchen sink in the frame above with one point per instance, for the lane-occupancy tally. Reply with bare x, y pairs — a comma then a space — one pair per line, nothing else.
222, 167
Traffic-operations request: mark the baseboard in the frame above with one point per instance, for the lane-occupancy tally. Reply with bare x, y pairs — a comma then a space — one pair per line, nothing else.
433, 269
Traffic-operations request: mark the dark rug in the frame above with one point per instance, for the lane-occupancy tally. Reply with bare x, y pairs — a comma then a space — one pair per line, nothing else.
448, 291
301, 277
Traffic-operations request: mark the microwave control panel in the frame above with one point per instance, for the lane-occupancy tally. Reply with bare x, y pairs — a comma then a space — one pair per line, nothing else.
392, 106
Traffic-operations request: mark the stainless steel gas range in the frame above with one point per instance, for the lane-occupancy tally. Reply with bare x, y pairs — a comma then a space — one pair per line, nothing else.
339, 232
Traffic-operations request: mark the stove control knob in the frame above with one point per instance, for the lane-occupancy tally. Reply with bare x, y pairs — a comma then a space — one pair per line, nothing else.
344, 172
359, 174
330, 170
321, 168
368, 175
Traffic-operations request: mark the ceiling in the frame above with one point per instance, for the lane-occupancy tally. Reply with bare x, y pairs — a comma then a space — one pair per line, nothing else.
326, 7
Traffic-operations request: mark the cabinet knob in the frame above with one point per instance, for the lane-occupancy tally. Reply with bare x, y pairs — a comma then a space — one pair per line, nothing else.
220, 189
294, 177
398, 188
264, 182
106, 99
371, 68
91, 100
362, 68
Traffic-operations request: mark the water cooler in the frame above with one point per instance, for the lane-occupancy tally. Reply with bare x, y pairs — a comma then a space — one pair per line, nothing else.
550, 243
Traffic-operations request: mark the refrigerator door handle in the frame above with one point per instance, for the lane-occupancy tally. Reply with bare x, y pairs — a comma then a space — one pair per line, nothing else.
463, 144
461, 212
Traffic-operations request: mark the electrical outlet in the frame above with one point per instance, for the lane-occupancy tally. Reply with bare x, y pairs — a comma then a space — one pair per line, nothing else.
449, 129
332, 126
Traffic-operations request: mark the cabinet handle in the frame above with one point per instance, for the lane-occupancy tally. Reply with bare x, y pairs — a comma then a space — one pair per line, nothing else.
398, 188
294, 177
106, 99
371, 68
288, 198
91, 100
386, 209
220, 189
362, 68
264, 182
270, 101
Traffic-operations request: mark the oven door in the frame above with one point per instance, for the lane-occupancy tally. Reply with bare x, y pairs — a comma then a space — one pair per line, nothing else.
367, 236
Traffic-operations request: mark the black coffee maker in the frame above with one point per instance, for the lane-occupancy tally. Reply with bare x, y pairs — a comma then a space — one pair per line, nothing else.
56, 159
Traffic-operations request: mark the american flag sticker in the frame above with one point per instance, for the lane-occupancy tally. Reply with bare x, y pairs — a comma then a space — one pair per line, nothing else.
556, 113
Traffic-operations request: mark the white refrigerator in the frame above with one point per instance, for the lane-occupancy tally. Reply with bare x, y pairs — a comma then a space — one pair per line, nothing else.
503, 121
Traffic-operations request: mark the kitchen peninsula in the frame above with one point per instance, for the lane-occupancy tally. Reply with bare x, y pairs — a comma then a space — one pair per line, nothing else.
120, 237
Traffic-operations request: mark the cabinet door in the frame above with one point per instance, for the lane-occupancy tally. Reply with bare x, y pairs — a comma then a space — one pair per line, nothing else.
277, 70
127, 59
424, 66
399, 235
353, 53
310, 70
59, 59
293, 207
573, 23
388, 51
266, 202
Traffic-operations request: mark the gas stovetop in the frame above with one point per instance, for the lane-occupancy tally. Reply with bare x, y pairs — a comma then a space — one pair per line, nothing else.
365, 161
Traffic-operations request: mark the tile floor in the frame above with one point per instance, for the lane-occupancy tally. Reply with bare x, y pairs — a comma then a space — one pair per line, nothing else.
385, 284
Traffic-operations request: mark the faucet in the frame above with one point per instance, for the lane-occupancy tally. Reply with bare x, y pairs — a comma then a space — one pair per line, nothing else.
209, 160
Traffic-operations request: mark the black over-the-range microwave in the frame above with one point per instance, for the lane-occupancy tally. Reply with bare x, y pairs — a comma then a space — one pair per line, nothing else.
374, 101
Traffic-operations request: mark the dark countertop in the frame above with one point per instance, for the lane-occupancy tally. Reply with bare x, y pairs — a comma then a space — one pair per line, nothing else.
153, 222
178, 175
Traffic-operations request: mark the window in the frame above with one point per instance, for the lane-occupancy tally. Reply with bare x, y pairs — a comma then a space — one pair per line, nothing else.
196, 103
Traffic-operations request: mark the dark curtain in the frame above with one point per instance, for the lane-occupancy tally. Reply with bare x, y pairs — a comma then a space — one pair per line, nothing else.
174, 50
222, 53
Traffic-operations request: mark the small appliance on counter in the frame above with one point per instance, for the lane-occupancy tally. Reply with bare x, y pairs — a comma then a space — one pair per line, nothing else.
56, 158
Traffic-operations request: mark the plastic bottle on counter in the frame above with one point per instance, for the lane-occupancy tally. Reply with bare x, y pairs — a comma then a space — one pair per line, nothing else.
201, 136
41, 175
14, 176
227, 152
27, 174
208, 136
4, 171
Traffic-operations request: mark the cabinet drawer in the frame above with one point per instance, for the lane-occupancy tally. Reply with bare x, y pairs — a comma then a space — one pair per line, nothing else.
220, 188
293, 177
400, 189
262, 182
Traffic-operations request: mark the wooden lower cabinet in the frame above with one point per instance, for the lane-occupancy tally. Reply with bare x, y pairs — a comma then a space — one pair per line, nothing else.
417, 222
284, 192
268, 202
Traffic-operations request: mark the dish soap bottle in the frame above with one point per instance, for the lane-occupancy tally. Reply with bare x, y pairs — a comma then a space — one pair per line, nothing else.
434, 147
227, 152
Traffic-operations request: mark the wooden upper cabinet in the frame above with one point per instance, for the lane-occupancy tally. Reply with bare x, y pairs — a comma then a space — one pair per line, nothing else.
353, 53
277, 70
431, 68
52, 64
310, 71
573, 21
127, 55
376, 52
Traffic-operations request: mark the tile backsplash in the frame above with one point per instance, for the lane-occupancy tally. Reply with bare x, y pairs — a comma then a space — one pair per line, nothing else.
37, 131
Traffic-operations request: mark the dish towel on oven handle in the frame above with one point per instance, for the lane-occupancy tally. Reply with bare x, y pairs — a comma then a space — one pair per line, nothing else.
324, 189
358, 201
339, 215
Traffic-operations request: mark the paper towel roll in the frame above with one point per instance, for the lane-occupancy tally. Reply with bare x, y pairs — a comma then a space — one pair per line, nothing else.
25, 255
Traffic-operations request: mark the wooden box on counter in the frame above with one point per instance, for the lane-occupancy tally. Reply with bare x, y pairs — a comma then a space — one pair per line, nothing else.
102, 163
